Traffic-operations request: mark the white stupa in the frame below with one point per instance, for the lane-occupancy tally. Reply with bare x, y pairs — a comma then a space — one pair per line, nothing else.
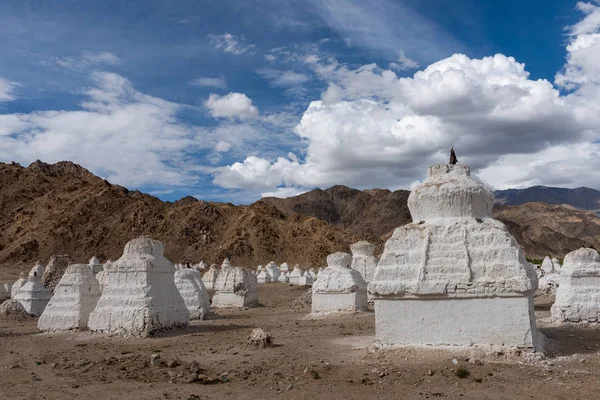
190, 286
210, 277
295, 275
23, 277
578, 296
339, 287
96, 265
201, 266
306, 279
363, 259
139, 295
38, 270
284, 267
74, 299
33, 296
548, 265
235, 287
455, 276
273, 270
263, 277
259, 268
283, 278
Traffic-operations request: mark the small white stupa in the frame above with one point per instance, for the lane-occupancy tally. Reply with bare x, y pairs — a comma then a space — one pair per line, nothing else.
201, 266
273, 270
455, 276
190, 286
23, 277
259, 268
95, 265
363, 259
548, 265
283, 278
74, 299
37, 270
235, 287
210, 277
578, 296
306, 279
139, 295
263, 277
339, 287
295, 275
284, 267
33, 296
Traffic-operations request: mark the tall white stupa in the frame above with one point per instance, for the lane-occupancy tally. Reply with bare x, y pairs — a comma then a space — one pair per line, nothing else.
454, 276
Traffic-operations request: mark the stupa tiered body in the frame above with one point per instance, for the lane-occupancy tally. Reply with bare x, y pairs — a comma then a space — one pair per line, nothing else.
19, 283
455, 276
363, 259
263, 277
578, 296
210, 277
189, 283
273, 271
139, 294
235, 287
339, 287
74, 299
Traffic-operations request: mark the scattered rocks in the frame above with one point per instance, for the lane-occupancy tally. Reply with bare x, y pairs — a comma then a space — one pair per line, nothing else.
156, 361
260, 339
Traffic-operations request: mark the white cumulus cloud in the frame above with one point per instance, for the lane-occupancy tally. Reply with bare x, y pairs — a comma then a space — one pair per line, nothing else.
232, 105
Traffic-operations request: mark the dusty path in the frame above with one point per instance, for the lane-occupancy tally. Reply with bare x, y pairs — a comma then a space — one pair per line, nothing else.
314, 359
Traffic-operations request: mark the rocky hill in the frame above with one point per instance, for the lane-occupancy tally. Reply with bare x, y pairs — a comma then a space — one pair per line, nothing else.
64, 209
372, 214
543, 229
584, 198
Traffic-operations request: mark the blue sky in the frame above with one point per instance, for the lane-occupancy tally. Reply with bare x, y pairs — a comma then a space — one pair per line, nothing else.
233, 100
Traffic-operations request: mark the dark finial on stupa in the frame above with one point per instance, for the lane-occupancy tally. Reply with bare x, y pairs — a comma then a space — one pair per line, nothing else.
453, 159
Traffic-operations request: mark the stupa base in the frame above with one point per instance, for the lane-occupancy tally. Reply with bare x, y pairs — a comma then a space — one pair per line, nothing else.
339, 302
232, 300
498, 321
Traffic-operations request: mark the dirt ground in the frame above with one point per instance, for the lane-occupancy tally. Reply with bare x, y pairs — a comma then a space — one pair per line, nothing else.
329, 358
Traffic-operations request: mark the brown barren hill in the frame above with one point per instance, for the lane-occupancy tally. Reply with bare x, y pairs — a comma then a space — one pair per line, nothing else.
545, 229
62, 208
372, 214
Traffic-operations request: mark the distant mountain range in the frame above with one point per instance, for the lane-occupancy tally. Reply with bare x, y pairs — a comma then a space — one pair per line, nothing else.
584, 198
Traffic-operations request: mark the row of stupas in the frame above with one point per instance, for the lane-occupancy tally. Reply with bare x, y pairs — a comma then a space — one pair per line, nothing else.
137, 294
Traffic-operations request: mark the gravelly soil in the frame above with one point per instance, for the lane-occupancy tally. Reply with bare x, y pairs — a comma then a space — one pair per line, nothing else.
313, 359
